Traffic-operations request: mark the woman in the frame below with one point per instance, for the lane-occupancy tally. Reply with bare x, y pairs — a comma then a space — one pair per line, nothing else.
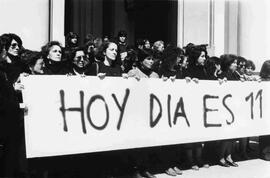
196, 71
170, 68
71, 42
141, 157
36, 63
52, 55
146, 44
108, 56
80, 64
228, 67
11, 116
12, 62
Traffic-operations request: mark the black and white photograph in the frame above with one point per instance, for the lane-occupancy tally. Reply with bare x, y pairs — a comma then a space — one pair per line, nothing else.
134, 88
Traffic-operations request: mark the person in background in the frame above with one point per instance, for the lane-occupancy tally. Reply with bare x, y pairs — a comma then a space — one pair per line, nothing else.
36, 63
106, 39
71, 42
146, 44
158, 48
139, 44
52, 55
122, 41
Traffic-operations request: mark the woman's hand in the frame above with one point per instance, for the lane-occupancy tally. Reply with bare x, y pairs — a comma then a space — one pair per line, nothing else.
173, 78
196, 80
24, 107
188, 79
125, 75
164, 78
101, 76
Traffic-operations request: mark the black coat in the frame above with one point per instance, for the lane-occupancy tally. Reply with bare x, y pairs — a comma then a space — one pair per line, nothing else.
199, 72
56, 68
10, 113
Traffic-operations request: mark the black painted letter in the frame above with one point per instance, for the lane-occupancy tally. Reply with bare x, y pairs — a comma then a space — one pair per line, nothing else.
177, 114
95, 97
225, 97
205, 110
121, 108
153, 123
80, 109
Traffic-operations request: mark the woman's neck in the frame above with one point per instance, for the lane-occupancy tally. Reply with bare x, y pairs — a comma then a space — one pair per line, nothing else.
107, 62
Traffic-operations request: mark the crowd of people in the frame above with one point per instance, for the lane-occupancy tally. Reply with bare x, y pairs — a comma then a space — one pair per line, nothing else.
103, 57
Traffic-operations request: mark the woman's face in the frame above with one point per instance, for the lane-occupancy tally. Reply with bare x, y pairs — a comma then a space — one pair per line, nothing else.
111, 51
242, 66
233, 66
161, 48
74, 40
122, 39
201, 59
14, 48
80, 59
39, 65
55, 53
148, 62
185, 62
147, 44
249, 70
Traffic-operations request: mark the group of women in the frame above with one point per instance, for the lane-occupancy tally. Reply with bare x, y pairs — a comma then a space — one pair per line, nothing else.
102, 59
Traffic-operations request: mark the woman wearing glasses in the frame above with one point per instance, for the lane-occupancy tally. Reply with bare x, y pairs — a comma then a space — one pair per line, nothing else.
12, 59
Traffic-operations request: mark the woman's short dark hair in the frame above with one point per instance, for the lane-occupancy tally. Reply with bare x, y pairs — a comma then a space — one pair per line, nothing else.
265, 70
70, 36
74, 51
170, 55
102, 49
226, 61
10, 37
194, 51
251, 64
241, 59
33, 56
122, 33
142, 54
46, 48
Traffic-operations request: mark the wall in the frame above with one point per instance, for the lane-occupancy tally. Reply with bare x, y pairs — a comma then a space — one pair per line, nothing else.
254, 28
27, 18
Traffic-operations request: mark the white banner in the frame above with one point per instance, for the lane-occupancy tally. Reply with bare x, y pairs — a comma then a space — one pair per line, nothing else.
70, 114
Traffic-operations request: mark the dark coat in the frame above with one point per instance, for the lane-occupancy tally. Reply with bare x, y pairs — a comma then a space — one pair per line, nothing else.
230, 75
10, 113
14, 69
199, 72
56, 68
109, 70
